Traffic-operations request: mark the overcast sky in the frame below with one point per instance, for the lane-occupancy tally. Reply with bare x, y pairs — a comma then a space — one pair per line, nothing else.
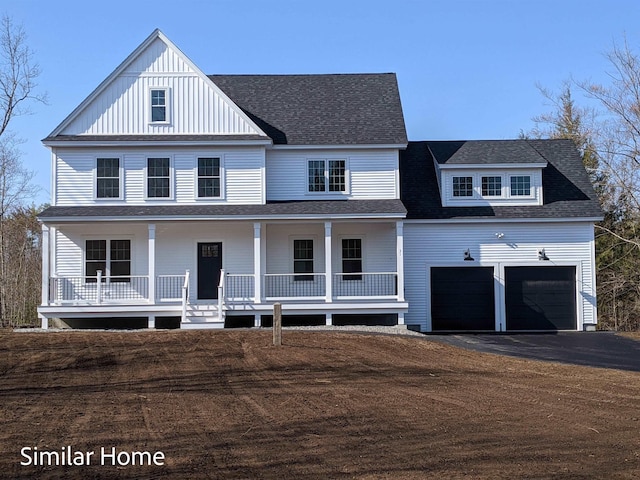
467, 69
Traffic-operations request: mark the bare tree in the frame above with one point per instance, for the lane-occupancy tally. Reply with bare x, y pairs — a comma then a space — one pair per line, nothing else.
18, 74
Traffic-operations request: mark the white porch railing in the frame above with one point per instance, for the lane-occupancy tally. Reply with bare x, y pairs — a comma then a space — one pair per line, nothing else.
240, 287
185, 296
294, 285
100, 289
232, 288
169, 288
365, 285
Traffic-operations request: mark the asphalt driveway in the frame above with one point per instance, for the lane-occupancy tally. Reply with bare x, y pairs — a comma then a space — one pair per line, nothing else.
593, 349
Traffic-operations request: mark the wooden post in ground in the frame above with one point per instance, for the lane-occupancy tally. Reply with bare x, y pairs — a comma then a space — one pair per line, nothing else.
277, 324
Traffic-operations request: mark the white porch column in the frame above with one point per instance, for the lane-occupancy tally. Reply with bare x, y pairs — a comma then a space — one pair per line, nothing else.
327, 262
400, 260
257, 262
152, 264
46, 255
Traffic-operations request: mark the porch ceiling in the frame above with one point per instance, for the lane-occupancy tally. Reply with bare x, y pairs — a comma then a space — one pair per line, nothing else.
273, 210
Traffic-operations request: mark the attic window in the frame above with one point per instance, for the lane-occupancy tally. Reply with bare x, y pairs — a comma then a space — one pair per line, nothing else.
462, 186
159, 105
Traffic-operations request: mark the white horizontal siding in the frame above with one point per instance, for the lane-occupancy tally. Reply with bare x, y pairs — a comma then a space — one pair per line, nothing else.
428, 244
70, 246
378, 245
243, 171
372, 173
176, 248
195, 106
244, 176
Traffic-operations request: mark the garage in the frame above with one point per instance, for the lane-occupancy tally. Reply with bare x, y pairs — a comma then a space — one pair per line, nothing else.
462, 298
540, 298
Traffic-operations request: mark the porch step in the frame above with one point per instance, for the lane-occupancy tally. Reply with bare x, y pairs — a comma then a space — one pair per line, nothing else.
201, 317
202, 323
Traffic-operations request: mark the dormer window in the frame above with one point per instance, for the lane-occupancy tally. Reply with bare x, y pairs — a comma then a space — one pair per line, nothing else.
492, 186
159, 113
462, 186
520, 186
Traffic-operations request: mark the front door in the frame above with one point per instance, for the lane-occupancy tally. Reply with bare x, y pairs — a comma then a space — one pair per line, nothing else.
209, 265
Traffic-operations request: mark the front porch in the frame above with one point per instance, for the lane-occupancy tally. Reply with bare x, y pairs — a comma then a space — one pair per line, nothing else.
325, 290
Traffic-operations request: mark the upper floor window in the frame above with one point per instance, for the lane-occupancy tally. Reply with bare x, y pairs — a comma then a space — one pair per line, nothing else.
158, 178
491, 186
159, 105
462, 186
108, 178
521, 185
209, 177
327, 175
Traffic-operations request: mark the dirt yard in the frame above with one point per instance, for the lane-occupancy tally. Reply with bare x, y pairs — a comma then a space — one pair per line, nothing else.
325, 405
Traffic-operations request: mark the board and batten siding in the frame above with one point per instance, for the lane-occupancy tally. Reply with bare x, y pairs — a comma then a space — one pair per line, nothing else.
242, 175
123, 107
372, 174
566, 243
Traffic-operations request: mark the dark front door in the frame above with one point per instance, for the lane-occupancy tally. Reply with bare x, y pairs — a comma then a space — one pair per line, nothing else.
209, 265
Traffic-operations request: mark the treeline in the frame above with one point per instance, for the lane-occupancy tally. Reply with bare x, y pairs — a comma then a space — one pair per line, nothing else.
20, 267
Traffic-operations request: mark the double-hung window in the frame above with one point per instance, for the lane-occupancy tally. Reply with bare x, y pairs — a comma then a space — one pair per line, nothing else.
303, 259
327, 176
209, 177
159, 105
462, 186
352, 258
158, 178
108, 178
111, 257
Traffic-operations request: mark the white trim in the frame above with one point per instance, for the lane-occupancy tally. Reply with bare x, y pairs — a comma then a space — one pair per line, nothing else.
385, 146
155, 143
108, 239
193, 289
172, 182
328, 267
500, 286
302, 236
326, 193
492, 166
121, 182
504, 220
167, 105
159, 218
196, 177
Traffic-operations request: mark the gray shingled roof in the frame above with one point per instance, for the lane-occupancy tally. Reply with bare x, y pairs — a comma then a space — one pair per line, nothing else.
346, 109
293, 209
482, 152
567, 191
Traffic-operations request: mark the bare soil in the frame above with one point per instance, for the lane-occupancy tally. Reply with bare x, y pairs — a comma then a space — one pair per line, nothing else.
227, 404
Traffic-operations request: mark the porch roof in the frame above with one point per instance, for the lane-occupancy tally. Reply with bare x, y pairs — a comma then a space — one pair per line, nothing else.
294, 210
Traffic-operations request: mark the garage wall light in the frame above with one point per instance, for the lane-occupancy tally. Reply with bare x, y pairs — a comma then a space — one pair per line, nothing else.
467, 256
542, 255
499, 234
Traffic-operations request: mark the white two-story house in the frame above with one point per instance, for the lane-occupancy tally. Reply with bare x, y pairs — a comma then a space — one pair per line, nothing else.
181, 199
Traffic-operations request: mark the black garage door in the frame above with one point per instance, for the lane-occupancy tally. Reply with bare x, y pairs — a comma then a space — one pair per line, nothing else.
462, 298
540, 298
